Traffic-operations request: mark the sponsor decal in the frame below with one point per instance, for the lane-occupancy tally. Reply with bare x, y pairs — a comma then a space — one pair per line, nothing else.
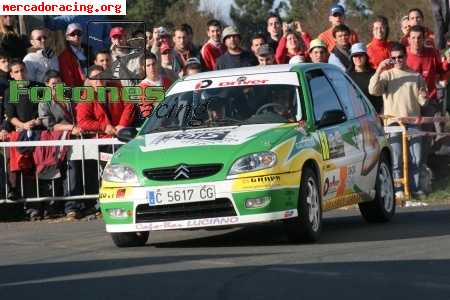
301, 142
203, 84
330, 186
243, 81
273, 178
335, 143
260, 182
371, 147
221, 221
230, 135
205, 135
324, 145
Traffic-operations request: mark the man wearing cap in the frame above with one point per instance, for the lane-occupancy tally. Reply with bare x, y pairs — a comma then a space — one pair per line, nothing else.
193, 66
126, 60
318, 52
162, 48
73, 61
235, 56
182, 51
40, 57
213, 48
337, 17
361, 72
265, 55
340, 55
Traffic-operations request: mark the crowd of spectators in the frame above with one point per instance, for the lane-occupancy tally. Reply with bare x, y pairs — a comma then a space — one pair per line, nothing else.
168, 55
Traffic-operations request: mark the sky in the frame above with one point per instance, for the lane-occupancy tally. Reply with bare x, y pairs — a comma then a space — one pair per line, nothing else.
224, 6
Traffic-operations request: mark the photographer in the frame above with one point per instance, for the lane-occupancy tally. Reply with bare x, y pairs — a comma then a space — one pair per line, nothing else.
404, 92
294, 42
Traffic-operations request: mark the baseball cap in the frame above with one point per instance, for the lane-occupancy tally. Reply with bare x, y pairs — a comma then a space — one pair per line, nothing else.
358, 48
117, 31
316, 43
193, 61
163, 31
337, 9
264, 50
73, 27
297, 59
230, 30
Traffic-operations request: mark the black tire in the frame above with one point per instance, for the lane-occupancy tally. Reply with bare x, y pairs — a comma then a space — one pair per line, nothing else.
130, 239
382, 208
302, 228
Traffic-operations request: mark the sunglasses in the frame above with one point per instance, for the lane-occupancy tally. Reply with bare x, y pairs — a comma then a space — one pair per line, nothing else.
76, 33
397, 57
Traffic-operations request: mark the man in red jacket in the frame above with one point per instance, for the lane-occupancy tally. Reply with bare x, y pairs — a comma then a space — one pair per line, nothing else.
426, 61
213, 48
108, 117
337, 17
73, 61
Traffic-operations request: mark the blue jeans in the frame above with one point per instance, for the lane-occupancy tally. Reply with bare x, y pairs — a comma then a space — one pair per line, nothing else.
415, 158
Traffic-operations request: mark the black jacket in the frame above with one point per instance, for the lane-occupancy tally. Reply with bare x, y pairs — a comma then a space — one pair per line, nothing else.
362, 79
441, 13
228, 61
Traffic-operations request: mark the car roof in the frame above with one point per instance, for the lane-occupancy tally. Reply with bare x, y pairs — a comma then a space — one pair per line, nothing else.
255, 70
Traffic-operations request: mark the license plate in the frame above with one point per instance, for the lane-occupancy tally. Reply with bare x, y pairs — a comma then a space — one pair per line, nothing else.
181, 195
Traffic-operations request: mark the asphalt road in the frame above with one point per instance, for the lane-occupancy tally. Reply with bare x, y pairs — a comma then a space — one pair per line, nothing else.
408, 258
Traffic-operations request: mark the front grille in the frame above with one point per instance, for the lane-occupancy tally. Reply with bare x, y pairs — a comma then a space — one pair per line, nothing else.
194, 171
221, 207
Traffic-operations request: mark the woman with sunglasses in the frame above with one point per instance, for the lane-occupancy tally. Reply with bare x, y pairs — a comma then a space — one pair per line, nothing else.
361, 72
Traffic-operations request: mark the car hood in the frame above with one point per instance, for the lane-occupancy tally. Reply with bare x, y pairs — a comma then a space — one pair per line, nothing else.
201, 146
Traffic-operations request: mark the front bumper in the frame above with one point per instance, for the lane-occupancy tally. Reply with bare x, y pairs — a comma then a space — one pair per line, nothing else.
282, 189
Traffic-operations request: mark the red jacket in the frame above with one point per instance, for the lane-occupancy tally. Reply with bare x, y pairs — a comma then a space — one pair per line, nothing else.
327, 38
210, 53
93, 116
378, 50
282, 56
429, 65
70, 69
429, 39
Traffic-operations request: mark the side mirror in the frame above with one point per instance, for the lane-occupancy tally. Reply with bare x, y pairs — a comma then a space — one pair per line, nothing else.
126, 134
332, 117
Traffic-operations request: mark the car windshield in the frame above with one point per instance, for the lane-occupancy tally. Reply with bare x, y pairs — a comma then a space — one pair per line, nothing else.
225, 106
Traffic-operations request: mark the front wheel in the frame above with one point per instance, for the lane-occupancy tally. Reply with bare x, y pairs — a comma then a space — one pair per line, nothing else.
308, 225
382, 208
130, 239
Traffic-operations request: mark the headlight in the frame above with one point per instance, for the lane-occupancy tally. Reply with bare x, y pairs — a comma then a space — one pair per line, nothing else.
254, 162
119, 173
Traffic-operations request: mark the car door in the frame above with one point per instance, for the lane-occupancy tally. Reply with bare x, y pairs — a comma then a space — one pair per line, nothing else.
363, 124
340, 152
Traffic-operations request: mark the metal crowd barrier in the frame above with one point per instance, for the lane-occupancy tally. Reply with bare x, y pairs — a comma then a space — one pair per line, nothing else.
84, 150
401, 128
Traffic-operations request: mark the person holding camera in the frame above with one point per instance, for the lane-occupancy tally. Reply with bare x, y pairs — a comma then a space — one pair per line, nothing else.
295, 42
404, 92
